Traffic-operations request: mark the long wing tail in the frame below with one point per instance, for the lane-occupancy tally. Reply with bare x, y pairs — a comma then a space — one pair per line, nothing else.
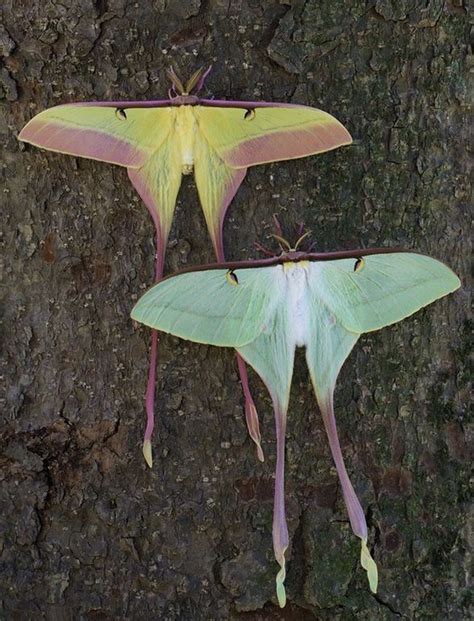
354, 508
217, 184
158, 183
325, 354
272, 358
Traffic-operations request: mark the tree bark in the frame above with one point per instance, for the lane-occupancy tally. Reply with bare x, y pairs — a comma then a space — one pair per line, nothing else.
88, 531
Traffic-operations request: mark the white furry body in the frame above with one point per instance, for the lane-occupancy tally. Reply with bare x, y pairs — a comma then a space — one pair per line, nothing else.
297, 294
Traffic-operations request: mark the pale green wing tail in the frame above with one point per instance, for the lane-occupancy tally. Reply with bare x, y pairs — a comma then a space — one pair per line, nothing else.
329, 346
127, 136
269, 133
272, 355
382, 289
213, 306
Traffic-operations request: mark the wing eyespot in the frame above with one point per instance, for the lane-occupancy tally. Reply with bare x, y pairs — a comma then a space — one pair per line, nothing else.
249, 114
359, 265
121, 114
232, 278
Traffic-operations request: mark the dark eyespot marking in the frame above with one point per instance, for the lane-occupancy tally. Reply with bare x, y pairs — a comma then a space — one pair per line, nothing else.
249, 114
232, 278
359, 264
121, 114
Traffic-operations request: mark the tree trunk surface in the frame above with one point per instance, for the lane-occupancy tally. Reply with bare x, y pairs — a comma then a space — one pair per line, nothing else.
88, 531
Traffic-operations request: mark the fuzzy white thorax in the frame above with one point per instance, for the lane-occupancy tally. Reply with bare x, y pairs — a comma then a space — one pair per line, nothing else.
298, 303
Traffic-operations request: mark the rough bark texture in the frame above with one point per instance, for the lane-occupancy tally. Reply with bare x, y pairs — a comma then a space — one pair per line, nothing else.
88, 531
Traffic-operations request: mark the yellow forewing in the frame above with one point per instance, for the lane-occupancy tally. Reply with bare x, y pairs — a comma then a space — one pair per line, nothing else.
124, 136
268, 134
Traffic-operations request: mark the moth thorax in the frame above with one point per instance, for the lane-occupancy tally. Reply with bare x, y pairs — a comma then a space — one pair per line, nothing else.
186, 128
297, 296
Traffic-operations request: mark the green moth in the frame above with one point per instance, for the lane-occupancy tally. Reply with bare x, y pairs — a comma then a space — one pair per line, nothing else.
320, 301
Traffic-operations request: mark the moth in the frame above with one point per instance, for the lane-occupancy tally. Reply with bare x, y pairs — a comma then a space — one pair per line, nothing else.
159, 141
320, 301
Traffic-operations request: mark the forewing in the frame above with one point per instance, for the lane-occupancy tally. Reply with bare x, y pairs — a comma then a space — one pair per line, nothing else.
386, 289
208, 307
245, 137
111, 133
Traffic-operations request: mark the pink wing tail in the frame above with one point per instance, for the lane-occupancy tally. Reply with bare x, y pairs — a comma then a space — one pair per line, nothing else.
158, 184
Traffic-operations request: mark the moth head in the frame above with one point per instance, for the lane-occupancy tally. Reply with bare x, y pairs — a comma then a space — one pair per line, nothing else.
286, 247
195, 82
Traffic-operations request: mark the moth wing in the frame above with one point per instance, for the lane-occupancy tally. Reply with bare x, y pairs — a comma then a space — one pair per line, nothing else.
269, 133
209, 307
329, 345
271, 355
387, 288
115, 132
158, 182
217, 184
